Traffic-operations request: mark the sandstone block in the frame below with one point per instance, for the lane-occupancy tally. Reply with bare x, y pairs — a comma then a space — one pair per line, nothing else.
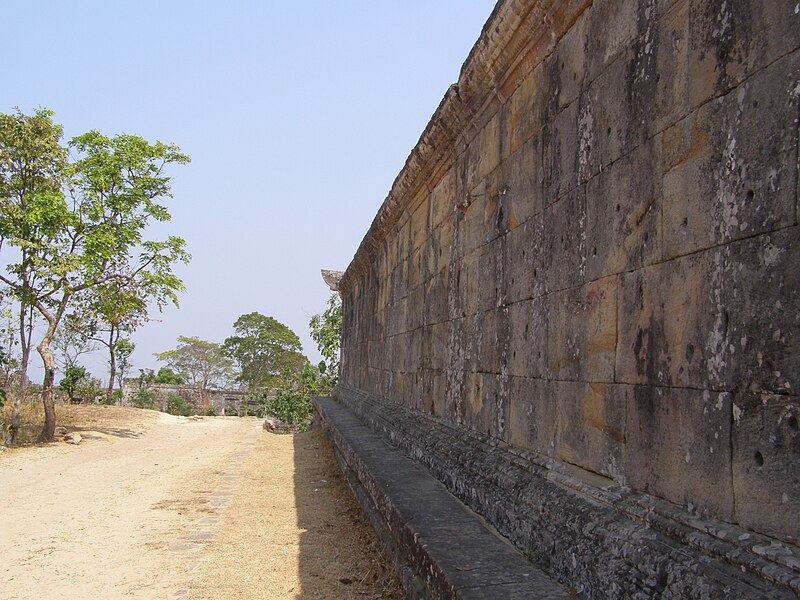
565, 241
664, 314
766, 463
523, 112
443, 199
566, 67
732, 165
678, 447
729, 42
582, 332
590, 426
524, 269
531, 415
73, 438
671, 101
612, 27
623, 214
526, 182
560, 154
527, 332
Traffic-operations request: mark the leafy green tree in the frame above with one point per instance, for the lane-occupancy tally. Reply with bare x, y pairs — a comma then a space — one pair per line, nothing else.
264, 349
326, 331
119, 307
165, 375
124, 350
33, 169
202, 362
73, 377
66, 248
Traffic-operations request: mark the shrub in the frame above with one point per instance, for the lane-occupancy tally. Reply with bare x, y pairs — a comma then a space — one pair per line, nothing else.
113, 400
178, 406
210, 412
144, 398
290, 406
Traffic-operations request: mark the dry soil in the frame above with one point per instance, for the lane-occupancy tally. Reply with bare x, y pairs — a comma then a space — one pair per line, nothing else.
153, 506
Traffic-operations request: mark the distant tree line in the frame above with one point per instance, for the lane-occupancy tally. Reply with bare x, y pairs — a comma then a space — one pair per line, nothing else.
263, 357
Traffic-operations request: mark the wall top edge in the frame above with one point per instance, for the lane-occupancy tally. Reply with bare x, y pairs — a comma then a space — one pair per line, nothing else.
492, 56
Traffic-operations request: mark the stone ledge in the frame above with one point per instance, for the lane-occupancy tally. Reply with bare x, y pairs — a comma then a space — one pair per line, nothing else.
604, 540
441, 548
518, 35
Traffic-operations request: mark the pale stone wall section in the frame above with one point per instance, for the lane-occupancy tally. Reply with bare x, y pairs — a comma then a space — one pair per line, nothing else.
592, 253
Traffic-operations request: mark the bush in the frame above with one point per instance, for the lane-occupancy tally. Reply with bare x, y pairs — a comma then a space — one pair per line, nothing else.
290, 406
144, 398
114, 400
210, 412
178, 406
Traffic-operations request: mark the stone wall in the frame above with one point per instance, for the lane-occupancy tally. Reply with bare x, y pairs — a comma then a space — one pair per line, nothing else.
222, 401
592, 253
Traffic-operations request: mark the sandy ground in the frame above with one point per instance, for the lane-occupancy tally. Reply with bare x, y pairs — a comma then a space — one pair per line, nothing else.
155, 506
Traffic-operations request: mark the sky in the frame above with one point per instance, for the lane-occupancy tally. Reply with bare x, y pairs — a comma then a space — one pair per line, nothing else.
297, 116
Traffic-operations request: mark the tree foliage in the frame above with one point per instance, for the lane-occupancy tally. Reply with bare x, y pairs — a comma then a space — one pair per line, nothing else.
74, 377
67, 246
326, 331
265, 350
200, 361
33, 169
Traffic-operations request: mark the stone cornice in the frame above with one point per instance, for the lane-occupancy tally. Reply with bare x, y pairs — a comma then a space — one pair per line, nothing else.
518, 35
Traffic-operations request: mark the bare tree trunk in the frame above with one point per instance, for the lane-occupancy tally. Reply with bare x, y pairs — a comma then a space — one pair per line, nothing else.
49, 428
25, 333
112, 364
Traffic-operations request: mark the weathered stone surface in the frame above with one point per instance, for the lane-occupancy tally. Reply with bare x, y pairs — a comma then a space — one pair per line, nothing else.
580, 527
731, 42
582, 332
274, 425
766, 462
565, 241
591, 426
732, 165
623, 215
590, 261
447, 551
73, 438
678, 447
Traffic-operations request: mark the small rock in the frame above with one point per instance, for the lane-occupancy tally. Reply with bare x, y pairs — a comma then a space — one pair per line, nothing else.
60, 431
73, 438
273, 425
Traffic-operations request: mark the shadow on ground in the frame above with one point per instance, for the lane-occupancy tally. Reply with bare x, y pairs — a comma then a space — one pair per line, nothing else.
120, 432
340, 556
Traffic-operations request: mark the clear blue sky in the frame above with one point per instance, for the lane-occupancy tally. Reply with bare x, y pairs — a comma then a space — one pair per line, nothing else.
297, 116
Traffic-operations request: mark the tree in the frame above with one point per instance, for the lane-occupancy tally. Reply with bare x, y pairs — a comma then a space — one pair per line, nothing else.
68, 248
266, 350
202, 362
326, 331
72, 340
119, 307
165, 375
73, 377
33, 169
125, 348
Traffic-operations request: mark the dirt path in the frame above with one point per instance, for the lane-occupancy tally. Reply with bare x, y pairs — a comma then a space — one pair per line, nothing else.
170, 507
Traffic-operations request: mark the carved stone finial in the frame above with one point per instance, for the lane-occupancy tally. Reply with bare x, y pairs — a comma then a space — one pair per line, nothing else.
332, 278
